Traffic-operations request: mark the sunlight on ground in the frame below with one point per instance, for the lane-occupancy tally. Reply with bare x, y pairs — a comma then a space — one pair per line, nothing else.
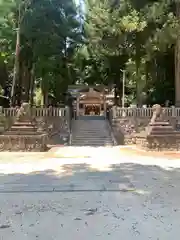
100, 164
101, 167
100, 158
141, 192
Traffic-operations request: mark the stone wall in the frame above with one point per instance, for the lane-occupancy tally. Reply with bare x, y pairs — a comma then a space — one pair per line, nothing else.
53, 127
125, 126
164, 143
56, 127
16, 143
58, 130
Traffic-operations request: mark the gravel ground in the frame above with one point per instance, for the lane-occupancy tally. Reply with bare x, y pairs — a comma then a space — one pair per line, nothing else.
129, 197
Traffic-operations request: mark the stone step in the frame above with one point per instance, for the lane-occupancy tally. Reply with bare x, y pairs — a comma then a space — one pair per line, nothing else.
88, 140
87, 128
97, 132
91, 127
22, 133
22, 129
93, 140
90, 130
91, 144
91, 133
91, 137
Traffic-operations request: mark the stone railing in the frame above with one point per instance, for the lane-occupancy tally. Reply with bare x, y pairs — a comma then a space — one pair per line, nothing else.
118, 112
38, 112
57, 120
125, 121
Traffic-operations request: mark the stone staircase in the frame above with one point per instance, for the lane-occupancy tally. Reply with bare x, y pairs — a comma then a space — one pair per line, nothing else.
91, 133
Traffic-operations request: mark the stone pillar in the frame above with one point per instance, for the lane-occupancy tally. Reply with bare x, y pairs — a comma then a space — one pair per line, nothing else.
77, 107
67, 113
173, 119
104, 99
2, 120
173, 111
114, 112
177, 101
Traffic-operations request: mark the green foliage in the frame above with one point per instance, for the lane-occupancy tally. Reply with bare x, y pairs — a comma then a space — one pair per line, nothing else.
130, 36
137, 36
49, 36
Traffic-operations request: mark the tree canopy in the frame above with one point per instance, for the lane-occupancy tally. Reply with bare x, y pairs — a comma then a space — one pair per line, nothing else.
47, 45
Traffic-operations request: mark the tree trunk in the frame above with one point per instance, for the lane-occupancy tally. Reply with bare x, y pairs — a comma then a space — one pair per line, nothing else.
45, 98
44, 88
27, 83
115, 96
177, 62
138, 85
16, 60
18, 86
32, 85
3, 73
138, 77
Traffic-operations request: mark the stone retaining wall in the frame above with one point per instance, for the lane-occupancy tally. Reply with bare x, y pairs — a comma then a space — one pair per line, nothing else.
123, 128
57, 133
15, 143
158, 144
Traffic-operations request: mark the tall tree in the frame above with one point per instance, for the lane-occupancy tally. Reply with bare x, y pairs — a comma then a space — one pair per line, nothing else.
48, 33
130, 32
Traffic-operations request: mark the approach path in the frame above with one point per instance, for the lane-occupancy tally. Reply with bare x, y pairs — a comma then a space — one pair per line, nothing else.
106, 193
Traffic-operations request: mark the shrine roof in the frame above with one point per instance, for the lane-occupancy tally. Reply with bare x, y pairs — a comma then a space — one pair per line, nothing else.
85, 88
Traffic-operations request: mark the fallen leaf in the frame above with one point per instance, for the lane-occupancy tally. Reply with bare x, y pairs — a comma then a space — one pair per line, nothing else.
18, 212
4, 226
78, 219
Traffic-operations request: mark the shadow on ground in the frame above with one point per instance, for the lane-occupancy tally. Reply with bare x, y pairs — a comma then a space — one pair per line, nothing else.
124, 178
129, 201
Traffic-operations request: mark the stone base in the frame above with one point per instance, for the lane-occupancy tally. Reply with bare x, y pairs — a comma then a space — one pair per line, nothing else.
29, 143
170, 143
129, 140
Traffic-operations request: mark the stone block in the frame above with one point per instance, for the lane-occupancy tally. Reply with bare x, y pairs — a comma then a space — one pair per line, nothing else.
26, 143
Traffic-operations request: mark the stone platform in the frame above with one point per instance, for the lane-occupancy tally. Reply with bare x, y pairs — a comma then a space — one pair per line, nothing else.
35, 143
158, 143
158, 136
24, 134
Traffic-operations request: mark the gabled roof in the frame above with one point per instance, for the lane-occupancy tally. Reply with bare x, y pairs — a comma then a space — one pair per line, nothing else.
91, 94
84, 88
87, 89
